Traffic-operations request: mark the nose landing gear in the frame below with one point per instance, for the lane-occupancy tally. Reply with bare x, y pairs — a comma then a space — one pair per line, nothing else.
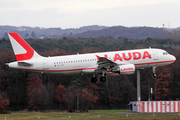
154, 71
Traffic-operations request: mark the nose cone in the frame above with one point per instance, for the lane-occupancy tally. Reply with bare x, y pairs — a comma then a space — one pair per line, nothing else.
173, 58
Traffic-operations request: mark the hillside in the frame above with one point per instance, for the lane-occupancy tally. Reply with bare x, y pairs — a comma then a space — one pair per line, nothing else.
120, 31
85, 32
47, 32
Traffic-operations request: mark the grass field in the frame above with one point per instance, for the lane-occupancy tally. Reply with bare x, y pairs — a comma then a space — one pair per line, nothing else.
91, 115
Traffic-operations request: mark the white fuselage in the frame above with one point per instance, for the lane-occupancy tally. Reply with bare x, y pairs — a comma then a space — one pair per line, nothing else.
87, 63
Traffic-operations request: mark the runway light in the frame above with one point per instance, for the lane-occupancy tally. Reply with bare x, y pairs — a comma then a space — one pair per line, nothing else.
98, 116
126, 115
69, 116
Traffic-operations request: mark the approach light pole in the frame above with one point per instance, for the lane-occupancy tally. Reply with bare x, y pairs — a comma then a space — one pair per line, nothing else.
138, 86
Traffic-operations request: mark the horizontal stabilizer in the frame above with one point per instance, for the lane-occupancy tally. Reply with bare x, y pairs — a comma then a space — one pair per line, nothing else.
24, 64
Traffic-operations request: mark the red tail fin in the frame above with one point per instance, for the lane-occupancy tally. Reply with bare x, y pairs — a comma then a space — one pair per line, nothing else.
22, 50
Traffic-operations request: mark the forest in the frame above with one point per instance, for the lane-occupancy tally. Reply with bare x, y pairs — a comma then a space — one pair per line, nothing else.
26, 90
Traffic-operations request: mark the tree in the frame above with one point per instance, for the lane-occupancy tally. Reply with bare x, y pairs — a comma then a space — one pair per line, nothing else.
87, 99
162, 83
175, 82
3, 104
34, 91
72, 96
95, 91
35, 98
26, 35
60, 94
33, 34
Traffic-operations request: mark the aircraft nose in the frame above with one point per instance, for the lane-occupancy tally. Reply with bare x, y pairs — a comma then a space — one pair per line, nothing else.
173, 58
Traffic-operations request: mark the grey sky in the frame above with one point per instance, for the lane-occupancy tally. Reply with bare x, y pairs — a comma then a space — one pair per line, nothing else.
78, 13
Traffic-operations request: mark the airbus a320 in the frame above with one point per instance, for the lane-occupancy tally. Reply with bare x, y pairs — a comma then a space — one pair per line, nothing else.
104, 63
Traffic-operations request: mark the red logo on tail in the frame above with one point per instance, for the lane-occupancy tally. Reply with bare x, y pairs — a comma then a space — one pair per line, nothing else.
25, 56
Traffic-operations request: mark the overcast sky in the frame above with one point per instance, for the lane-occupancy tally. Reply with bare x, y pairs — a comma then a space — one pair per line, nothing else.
78, 13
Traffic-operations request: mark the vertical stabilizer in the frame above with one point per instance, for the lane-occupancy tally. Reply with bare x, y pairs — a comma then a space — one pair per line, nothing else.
22, 50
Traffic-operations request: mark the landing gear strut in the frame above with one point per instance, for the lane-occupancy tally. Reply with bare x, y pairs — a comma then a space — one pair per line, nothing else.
103, 78
154, 71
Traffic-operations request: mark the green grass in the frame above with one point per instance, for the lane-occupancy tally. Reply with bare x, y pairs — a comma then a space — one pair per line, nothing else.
91, 115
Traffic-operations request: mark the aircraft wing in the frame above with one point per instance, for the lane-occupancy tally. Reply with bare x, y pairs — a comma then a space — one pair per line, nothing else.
104, 64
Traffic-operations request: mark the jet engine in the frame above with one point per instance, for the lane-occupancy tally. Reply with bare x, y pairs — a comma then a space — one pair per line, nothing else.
124, 69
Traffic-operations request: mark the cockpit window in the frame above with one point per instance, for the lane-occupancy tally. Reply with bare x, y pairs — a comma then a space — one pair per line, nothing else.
165, 53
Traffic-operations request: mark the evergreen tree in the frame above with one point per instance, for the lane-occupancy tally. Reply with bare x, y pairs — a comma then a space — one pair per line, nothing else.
33, 35
26, 35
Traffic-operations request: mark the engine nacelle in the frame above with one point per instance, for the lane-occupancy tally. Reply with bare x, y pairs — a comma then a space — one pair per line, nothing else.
124, 69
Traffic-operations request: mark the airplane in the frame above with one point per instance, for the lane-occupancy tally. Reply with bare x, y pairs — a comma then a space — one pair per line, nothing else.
104, 63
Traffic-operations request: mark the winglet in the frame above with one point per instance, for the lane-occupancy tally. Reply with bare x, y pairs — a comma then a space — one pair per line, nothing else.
98, 57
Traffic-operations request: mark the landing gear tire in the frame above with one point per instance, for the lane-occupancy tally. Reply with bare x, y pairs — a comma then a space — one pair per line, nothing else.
154, 74
94, 80
103, 79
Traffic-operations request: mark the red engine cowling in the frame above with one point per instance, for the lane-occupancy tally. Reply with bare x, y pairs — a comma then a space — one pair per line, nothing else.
124, 69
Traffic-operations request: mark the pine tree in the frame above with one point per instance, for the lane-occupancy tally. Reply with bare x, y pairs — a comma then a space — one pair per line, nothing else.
33, 35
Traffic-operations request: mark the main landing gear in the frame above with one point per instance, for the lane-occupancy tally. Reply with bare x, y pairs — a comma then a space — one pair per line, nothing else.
94, 79
102, 78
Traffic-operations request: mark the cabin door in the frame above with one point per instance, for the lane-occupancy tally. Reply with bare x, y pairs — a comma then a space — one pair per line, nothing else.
155, 55
45, 65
